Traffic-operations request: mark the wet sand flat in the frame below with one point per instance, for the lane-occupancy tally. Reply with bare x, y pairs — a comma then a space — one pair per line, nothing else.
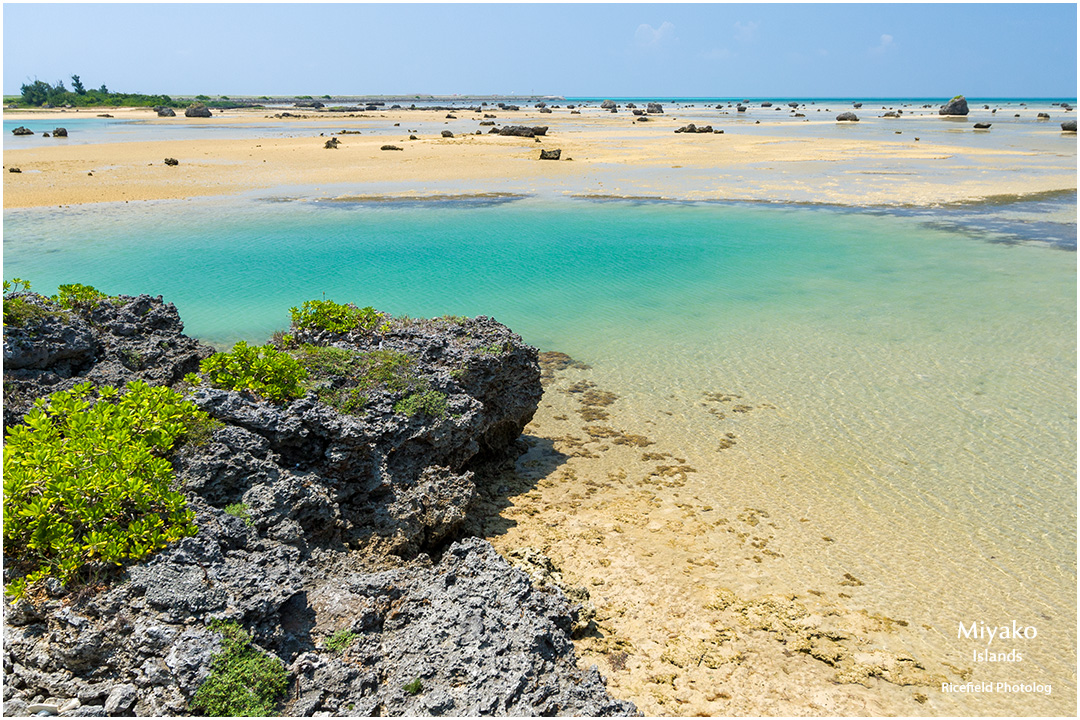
866, 163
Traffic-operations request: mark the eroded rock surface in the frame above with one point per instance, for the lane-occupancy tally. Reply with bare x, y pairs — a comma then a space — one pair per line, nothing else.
312, 522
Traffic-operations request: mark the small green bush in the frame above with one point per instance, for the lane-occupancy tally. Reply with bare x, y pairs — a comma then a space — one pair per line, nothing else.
413, 688
266, 371
243, 681
428, 402
88, 481
335, 317
19, 312
340, 640
74, 296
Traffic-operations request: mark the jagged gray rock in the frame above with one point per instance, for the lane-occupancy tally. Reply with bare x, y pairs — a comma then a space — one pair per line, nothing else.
311, 521
471, 635
197, 110
957, 106
111, 343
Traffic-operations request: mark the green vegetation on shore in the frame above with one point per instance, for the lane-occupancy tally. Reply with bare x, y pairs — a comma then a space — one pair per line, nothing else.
243, 681
87, 483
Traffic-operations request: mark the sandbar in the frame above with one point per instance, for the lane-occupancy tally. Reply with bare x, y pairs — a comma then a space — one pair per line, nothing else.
875, 162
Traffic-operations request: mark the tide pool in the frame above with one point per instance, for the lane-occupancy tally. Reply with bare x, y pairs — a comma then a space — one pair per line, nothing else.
919, 371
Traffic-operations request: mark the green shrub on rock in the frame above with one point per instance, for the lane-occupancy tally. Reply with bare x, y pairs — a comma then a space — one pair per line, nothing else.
428, 402
88, 482
333, 316
243, 681
264, 370
74, 296
18, 310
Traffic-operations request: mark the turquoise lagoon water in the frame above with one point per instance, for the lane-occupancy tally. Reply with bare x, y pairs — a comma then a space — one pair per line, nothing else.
922, 367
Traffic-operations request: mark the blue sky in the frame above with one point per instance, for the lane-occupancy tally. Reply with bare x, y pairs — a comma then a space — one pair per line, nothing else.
619, 50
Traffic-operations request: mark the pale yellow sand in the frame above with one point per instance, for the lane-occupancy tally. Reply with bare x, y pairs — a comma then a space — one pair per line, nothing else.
611, 155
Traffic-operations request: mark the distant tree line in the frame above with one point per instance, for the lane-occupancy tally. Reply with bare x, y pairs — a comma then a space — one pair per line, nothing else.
39, 93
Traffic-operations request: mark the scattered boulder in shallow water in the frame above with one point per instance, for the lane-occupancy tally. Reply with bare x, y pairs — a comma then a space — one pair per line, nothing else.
691, 128
22, 131
523, 130
197, 110
608, 105
545, 110
60, 132
550, 154
847, 117
1042, 116
655, 109
957, 106
856, 105
982, 126
1068, 126
447, 134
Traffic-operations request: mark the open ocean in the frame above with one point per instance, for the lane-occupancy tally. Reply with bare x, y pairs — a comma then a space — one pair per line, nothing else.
920, 364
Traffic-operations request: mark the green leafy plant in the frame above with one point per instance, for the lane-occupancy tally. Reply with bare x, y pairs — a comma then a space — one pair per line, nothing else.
264, 370
88, 482
74, 296
333, 316
413, 688
340, 640
18, 310
428, 402
243, 681
16, 284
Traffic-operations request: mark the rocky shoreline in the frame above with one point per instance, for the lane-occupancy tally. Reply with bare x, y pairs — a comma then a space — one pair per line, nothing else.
347, 562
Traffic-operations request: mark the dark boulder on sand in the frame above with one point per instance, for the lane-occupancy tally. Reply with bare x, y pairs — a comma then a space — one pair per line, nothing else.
982, 126
197, 110
524, 130
957, 106
847, 117
390, 147
447, 134
172, 162
1068, 126
655, 109
608, 105
164, 111
550, 154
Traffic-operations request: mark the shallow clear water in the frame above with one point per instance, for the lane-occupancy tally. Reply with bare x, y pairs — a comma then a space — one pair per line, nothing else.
921, 369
